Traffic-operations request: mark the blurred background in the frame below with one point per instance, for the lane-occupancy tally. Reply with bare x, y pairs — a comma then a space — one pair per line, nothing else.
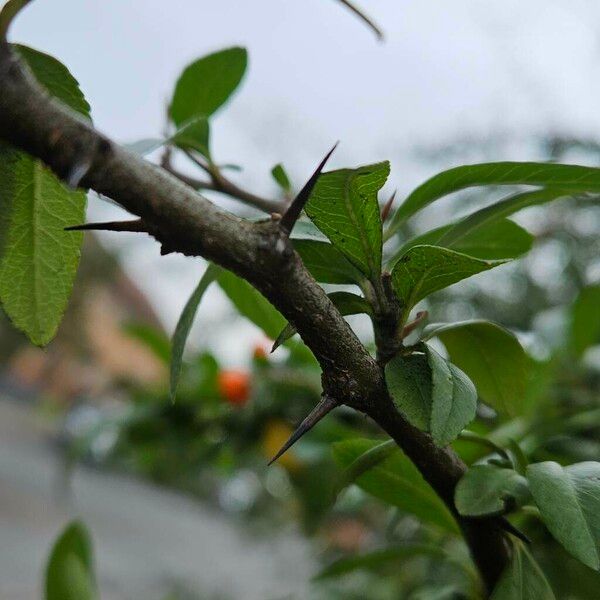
178, 497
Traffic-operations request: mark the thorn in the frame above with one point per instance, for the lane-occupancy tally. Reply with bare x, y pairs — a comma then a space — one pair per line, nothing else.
293, 212
363, 17
385, 211
136, 225
324, 407
408, 329
507, 526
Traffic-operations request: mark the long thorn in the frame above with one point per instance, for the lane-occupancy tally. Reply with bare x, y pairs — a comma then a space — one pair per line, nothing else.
293, 212
324, 407
385, 211
361, 15
136, 225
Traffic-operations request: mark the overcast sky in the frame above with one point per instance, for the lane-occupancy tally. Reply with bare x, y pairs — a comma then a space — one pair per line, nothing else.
446, 69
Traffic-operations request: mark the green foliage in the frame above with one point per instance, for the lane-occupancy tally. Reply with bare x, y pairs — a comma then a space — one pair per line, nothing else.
492, 357
396, 481
38, 260
185, 324
523, 579
326, 263
281, 177
423, 270
251, 304
70, 571
585, 324
489, 490
343, 205
194, 134
433, 394
569, 503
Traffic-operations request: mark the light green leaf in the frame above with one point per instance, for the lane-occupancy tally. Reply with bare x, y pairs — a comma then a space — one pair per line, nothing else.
585, 319
569, 503
185, 324
398, 482
70, 573
490, 490
326, 263
522, 579
252, 304
491, 241
281, 177
346, 302
207, 84
567, 179
344, 206
427, 269
38, 259
492, 357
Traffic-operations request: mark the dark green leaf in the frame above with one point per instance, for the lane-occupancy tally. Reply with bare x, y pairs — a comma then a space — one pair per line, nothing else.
585, 320
569, 503
194, 134
522, 579
490, 490
427, 269
69, 574
398, 482
344, 207
326, 263
491, 356
566, 179
207, 84
281, 177
252, 304
185, 324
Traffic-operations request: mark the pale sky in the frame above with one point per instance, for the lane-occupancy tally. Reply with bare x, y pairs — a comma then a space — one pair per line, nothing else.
446, 69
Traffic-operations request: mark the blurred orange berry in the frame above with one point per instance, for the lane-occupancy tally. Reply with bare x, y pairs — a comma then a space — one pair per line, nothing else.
234, 386
260, 352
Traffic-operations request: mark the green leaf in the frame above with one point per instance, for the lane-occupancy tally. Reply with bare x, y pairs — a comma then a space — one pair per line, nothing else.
326, 263
194, 134
398, 482
565, 179
490, 490
491, 241
522, 579
344, 206
185, 324
346, 302
492, 357
153, 338
252, 304
7, 14
38, 260
585, 319
569, 503
69, 574
207, 84
427, 269
374, 561
433, 394
281, 177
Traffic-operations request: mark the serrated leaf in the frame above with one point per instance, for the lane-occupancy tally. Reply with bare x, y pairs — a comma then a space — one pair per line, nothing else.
281, 177
493, 359
38, 260
184, 324
326, 263
251, 304
427, 269
346, 302
522, 579
398, 482
69, 574
491, 241
490, 490
585, 319
207, 84
566, 179
344, 206
569, 502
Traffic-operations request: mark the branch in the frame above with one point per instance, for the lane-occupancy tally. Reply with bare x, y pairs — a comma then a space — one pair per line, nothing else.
184, 221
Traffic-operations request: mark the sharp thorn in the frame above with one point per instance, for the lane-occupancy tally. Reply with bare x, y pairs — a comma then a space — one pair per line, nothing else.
293, 212
385, 211
136, 225
324, 407
363, 17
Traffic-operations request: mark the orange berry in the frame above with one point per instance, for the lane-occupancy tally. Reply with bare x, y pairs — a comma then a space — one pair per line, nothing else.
234, 386
259, 352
